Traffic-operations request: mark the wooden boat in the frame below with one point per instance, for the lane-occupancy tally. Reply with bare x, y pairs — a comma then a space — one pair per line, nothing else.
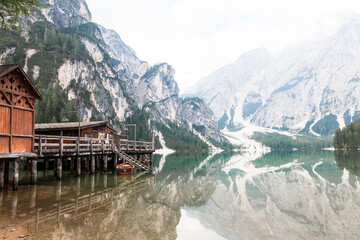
125, 168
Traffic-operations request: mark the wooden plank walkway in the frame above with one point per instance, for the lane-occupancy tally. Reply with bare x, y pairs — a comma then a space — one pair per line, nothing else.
88, 150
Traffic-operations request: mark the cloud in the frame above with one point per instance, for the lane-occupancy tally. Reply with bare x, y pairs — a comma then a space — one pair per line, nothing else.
198, 36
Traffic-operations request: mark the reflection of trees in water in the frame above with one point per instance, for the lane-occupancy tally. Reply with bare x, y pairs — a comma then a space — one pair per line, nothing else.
349, 160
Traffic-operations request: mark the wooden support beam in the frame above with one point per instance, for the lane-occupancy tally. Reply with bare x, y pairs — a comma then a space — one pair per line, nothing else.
16, 174
78, 166
92, 164
46, 163
98, 165
58, 170
72, 164
66, 163
33, 177
115, 157
105, 160
6, 174
2, 169
86, 159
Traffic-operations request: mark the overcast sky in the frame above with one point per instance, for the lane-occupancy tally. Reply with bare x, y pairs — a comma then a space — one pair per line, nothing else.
198, 36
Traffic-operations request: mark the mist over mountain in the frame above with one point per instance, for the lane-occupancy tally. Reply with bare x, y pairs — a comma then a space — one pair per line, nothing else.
308, 88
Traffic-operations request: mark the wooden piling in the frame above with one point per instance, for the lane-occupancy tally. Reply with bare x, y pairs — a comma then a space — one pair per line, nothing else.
66, 163
98, 165
115, 161
33, 177
72, 164
46, 163
6, 174
58, 168
16, 174
86, 164
2, 169
105, 160
92, 164
78, 166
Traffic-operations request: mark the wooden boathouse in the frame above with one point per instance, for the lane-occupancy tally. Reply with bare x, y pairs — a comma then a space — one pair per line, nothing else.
21, 140
17, 110
98, 129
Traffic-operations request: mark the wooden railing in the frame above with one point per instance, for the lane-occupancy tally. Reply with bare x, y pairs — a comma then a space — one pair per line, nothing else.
62, 145
139, 146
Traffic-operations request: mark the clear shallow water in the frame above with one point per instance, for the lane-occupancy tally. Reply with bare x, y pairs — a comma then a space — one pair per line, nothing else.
279, 196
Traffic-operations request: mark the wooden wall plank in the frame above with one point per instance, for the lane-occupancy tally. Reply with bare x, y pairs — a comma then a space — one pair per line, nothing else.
4, 144
22, 122
21, 144
4, 119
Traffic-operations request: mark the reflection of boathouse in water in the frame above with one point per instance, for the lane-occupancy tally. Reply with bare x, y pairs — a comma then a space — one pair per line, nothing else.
22, 141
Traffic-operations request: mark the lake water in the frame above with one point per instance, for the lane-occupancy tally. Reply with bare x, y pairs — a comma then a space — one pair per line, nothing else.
278, 196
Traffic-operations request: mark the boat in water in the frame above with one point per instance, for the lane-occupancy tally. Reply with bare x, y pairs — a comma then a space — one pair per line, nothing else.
125, 168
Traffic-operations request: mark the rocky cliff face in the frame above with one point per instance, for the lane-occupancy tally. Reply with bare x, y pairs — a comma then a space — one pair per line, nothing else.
308, 88
199, 117
95, 67
65, 13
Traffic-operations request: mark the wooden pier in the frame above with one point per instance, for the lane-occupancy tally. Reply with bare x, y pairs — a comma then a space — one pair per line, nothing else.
77, 154
72, 145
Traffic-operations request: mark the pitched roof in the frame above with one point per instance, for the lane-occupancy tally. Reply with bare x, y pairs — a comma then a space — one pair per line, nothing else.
69, 125
5, 69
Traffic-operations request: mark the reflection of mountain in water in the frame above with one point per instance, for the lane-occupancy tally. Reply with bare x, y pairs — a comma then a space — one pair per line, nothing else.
279, 196
302, 195
154, 212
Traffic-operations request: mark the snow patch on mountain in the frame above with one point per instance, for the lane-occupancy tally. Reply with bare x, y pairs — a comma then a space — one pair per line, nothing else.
312, 87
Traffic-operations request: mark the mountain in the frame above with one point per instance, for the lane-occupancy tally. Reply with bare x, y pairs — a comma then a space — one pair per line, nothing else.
75, 62
308, 88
